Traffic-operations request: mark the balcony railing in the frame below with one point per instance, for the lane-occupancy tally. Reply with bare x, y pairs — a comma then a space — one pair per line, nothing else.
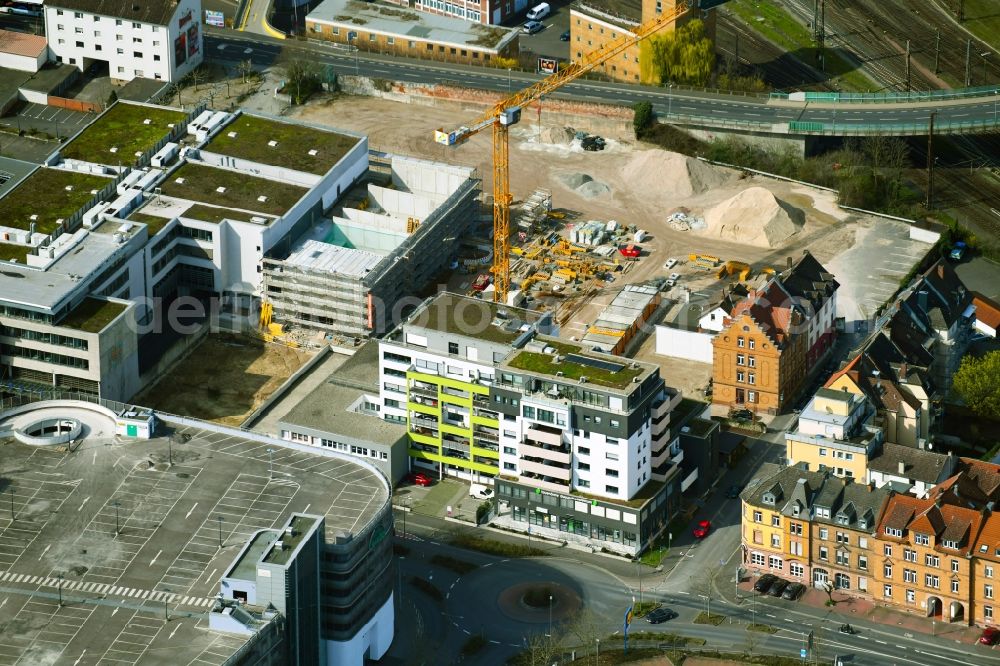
543, 470
424, 391
486, 435
545, 483
547, 435
557, 454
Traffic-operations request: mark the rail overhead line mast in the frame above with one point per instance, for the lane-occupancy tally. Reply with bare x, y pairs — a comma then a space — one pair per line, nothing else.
507, 112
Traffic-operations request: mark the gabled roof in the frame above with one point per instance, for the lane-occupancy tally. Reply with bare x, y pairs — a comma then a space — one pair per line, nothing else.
941, 521
987, 310
987, 544
808, 280
928, 522
918, 464
157, 12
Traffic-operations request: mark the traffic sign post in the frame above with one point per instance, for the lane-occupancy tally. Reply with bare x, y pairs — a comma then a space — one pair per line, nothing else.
628, 621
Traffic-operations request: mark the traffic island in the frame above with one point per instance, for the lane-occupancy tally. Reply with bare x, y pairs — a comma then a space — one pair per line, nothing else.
539, 602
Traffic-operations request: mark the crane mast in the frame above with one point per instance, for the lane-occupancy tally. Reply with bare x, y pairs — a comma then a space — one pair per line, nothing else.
507, 112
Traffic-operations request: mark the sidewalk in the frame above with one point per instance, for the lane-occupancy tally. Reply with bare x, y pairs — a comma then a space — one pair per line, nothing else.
851, 609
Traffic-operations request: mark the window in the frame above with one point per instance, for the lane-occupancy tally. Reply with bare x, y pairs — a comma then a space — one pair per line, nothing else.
740, 359
893, 532
824, 553
862, 542
583, 467
752, 362
887, 590
611, 456
753, 343
909, 555
79, 45
583, 450
740, 342
911, 596
615, 423
741, 376
611, 490
909, 576
78, 31
796, 569
757, 559
390, 41
583, 483
932, 561
843, 558
824, 533
988, 591
931, 581
751, 396
844, 538
78, 15
795, 548
887, 570
775, 562
795, 528
988, 571
863, 562
921, 539
452, 347
775, 521
988, 612
752, 378
822, 453
775, 541
954, 587
613, 473
758, 517
509, 466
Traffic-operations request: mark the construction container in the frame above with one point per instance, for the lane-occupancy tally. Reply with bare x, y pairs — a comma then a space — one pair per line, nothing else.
640, 235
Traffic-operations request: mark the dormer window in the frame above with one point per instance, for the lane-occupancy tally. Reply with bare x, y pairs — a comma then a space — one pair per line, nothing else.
863, 524
921, 539
822, 512
951, 544
893, 532
842, 519
796, 509
984, 548
768, 499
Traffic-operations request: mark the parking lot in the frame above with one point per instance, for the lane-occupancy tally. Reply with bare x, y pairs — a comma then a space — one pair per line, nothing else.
52, 120
547, 42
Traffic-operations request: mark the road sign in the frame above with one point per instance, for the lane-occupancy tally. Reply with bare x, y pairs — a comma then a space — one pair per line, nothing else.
803, 653
547, 65
628, 621
216, 19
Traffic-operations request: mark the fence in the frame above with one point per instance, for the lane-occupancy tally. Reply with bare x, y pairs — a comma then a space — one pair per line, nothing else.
75, 104
178, 131
887, 97
941, 126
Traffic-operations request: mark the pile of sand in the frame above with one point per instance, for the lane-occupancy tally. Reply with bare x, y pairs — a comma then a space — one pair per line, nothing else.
754, 217
584, 185
558, 135
672, 174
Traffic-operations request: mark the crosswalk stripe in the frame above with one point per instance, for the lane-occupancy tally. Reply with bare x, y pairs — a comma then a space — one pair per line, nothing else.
133, 592
19, 578
145, 594
34, 580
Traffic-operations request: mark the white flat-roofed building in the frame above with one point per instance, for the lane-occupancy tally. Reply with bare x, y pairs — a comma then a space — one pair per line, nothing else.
155, 40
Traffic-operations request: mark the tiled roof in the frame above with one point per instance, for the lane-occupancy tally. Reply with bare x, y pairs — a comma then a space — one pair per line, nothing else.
988, 542
942, 521
919, 465
22, 44
899, 512
986, 476
808, 280
157, 12
987, 310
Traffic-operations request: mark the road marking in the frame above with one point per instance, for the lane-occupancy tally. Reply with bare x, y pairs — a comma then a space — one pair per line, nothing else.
85, 500
882, 642
152, 561
188, 514
44, 551
173, 632
80, 658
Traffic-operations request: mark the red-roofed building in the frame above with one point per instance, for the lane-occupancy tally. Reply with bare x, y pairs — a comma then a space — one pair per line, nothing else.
927, 547
22, 51
987, 315
986, 573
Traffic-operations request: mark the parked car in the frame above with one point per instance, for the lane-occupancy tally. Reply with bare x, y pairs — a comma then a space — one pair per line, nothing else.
420, 479
671, 262
734, 491
702, 529
957, 251
777, 587
793, 591
675, 276
660, 615
479, 491
539, 11
764, 582
990, 636
564, 37
847, 629
531, 27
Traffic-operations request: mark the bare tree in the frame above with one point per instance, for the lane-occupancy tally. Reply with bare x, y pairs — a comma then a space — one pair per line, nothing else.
704, 586
245, 69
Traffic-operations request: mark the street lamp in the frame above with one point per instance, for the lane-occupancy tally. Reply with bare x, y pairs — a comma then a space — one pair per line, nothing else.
220, 531
508, 79
550, 620
598, 659
166, 604
118, 528
270, 463
12, 517
170, 451
984, 55
638, 569
670, 98
60, 577
996, 93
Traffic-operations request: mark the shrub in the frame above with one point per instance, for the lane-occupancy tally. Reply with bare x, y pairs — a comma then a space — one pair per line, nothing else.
473, 645
460, 567
643, 116
427, 588
482, 511
500, 548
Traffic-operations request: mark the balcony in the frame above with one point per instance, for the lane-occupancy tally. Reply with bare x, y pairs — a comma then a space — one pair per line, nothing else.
491, 414
424, 391
454, 393
557, 454
661, 427
417, 418
544, 470
545, 483
486, 435
545, 434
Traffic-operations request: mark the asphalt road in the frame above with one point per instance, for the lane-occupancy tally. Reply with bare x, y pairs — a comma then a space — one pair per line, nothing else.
678, 105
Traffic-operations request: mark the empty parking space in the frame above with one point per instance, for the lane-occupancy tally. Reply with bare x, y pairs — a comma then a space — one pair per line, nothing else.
55, 114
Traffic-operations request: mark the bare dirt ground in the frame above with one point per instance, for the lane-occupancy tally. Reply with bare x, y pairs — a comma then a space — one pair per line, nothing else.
224, 379
824, 229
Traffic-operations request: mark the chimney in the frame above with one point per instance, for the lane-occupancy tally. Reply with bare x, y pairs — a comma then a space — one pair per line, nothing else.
789, 263
902, 467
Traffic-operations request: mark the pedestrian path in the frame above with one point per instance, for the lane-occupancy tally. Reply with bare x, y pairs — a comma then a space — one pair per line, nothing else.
105, 589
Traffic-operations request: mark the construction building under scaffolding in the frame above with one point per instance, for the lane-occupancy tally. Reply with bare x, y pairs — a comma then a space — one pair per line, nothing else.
395, 230
621, 319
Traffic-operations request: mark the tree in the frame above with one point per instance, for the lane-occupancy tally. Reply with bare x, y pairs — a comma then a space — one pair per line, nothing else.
704, 586
976, 383
642, 118
685, 56
303, 77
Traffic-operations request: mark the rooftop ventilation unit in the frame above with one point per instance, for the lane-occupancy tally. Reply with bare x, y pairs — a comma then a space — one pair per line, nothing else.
180, 181
220, 189
113, 149
272, 143
69, 188
262, 198
231, 135
147, 121
313, 152
279, 545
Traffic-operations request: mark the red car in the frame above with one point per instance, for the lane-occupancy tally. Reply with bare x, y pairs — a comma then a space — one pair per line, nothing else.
990, 636
420, 479
702, 529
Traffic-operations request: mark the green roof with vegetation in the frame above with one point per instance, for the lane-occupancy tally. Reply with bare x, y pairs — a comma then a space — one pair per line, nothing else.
202, 183
18, 253
216, 215
124, 128
44, 194
646, 493
292, 144
154, 223
472, 317
92, 315
542, 363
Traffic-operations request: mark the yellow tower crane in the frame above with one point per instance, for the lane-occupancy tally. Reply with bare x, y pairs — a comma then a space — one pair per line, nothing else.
507, 112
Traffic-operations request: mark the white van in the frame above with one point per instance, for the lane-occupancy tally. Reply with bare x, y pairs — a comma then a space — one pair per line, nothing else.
539, 12
480, 491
